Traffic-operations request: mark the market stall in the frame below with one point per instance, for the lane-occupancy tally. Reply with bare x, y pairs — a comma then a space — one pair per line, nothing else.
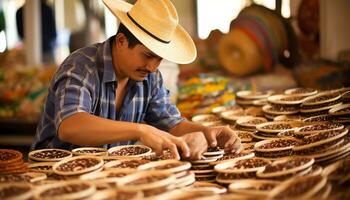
265, 81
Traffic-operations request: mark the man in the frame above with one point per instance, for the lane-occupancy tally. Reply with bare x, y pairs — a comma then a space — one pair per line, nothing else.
102, 93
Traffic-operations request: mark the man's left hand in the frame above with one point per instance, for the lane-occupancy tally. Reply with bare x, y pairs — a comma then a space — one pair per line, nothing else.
224, 137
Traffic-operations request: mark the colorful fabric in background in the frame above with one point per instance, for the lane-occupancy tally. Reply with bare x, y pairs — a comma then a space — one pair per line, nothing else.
322, 74
201, 93
23, 90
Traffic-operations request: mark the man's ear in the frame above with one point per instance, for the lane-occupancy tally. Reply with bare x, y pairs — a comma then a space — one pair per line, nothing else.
121, 40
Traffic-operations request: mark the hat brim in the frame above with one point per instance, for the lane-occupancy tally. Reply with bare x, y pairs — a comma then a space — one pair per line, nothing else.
181, 48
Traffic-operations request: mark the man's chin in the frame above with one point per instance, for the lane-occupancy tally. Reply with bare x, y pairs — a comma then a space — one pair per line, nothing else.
138, 78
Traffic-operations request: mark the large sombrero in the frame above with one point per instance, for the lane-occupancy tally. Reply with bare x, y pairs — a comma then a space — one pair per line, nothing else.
155, 24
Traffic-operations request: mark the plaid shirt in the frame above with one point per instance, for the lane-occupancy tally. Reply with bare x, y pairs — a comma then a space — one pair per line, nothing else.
86, 82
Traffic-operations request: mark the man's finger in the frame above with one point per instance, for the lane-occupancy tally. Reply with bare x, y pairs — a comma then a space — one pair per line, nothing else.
172, 147
241, 148
230, 141
158, 152
204, 149
237, 146
211, 138
198, 156
200, 152
234, 146
185, 150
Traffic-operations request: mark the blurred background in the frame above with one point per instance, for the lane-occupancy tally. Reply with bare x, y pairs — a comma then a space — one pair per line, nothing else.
242, 44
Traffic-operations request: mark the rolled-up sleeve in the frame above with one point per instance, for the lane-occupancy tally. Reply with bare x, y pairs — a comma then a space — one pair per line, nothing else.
161, 113
73, 93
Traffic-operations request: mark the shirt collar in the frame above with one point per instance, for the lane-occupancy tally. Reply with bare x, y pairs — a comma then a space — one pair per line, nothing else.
108, 69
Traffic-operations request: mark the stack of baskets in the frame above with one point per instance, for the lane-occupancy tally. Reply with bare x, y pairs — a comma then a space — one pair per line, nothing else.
258, 39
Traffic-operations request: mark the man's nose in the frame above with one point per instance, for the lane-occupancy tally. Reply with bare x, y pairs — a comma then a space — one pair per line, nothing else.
152, 65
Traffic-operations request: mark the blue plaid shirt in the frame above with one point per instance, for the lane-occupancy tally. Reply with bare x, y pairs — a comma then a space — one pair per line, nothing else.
86, 82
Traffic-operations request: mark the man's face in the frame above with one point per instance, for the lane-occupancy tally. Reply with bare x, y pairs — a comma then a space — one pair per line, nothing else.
137, 62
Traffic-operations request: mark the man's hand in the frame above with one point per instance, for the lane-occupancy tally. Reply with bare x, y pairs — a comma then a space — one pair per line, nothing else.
223, 137
159, 141
197, 144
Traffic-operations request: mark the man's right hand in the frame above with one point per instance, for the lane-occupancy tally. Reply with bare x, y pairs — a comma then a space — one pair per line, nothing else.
160, 140
197, 143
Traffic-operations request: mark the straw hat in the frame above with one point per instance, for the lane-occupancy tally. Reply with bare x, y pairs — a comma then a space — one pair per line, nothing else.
239, 54
155, 24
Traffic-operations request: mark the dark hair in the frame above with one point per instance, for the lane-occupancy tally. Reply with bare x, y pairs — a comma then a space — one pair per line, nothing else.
133, 41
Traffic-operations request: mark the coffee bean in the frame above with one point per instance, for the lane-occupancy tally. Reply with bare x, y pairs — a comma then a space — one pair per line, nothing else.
287, 118
321, 136
292, 98
123, 195
319, 106
213, 149
344, 110
50, 154
274, 154
318, 149
342, 170
12, 191
90, 151
290, 164
298, 188
254, 122
320, 127
282, 108
290, 133
9, 178
57, 177
233, 155
116, 174
244, 135
41, 168
77, 164
322, 98
205, 178
278, 144
167, 155
277, 127
235, 176
249, 163
302, 91
263, 187
131, 163
320, 118
130, 151
7, 156
168, 166
155, 191
147, 179
67, 189
194, 167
